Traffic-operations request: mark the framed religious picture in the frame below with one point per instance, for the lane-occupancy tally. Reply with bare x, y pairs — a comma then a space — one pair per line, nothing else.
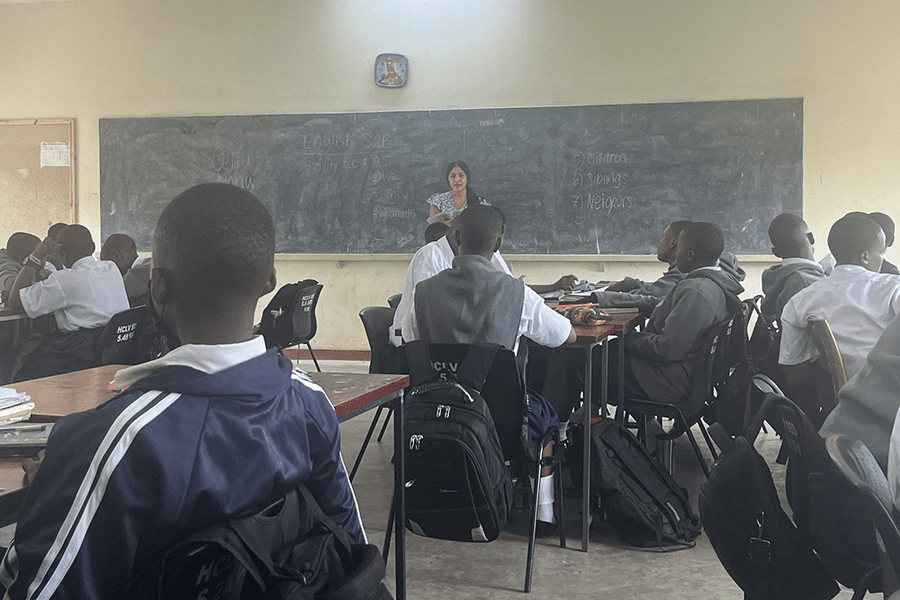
391, 70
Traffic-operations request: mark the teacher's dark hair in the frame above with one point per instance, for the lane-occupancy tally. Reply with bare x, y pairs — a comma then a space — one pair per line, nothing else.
215, 240
471, 197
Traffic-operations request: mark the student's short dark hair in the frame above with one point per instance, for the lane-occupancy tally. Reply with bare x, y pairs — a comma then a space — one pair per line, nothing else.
706, 240
677, 227
850, 236
21, 244
76, 241
54, 230
787, 235
479, 227
887, 226
436, 231
216, 238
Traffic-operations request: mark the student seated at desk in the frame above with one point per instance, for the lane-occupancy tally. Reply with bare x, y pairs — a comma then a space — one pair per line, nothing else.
216, 429
659, 360
473, 302
857, 301
121, 249
18, 247
437, 256
645, 296
792, 242
82, 298
887, 226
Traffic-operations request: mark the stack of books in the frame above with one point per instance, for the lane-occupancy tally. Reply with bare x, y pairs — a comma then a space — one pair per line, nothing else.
14, 406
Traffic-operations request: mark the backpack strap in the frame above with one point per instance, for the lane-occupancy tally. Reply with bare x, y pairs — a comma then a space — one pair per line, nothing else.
418, 358
475, 366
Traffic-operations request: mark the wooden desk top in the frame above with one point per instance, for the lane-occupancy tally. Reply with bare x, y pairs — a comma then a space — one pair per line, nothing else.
597, 333
59, 395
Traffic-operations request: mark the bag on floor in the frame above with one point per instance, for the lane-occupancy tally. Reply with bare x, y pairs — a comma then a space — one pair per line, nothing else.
754, 539
639, 498
458, 486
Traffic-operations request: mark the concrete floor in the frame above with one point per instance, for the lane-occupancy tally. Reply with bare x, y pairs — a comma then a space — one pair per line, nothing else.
496, 571
446, 570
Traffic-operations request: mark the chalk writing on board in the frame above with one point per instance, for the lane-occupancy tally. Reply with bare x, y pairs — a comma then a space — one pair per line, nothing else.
570, 180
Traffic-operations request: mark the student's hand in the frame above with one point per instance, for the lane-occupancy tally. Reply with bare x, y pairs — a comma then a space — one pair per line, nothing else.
565, 283
615, 286
31, 466
46, 248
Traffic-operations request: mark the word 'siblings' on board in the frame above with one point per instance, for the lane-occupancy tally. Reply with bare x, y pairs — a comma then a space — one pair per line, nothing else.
615, 180
224, 161
602, 201
594, 159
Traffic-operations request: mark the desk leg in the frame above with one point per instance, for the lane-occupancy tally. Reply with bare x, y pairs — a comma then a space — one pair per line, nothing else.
400, 499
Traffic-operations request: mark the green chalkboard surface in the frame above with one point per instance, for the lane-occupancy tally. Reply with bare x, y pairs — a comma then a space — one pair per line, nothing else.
571, 180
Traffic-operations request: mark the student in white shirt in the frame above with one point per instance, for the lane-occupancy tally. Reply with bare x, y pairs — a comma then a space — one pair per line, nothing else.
857, 301
437, 256
82, 298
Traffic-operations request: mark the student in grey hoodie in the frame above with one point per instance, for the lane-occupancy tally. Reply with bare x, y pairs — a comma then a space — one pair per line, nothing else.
18, 247
631, 292
659, 360
792, 242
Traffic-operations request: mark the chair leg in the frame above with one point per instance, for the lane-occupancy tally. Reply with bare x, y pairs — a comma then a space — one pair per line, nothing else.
387, 420
529, 562
558, 476
709, 442
696, 448
387, 532
365, 443
315, 362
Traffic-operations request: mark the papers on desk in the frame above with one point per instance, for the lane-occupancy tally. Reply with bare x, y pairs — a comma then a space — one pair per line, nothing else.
14, 406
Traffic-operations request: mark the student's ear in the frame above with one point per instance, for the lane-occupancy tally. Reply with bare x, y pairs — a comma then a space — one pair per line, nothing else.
159, 288
691, 256
499, 242
270, 285
864, 258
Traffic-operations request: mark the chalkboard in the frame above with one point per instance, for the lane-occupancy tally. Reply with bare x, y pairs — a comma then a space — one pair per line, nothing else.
571, 180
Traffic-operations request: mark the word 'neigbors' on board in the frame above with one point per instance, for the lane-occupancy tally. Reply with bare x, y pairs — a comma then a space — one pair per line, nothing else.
601, 201
382, 213
594, 159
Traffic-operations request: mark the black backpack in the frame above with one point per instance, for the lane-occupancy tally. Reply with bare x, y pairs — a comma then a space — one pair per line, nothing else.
755, 540
291, 550
276, 325
640, 500
458, 486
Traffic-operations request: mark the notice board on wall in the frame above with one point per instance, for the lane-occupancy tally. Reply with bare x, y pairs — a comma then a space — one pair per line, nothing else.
601, 179
37, 175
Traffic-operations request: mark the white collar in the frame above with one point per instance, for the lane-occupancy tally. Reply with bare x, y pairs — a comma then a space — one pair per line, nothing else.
83, 261
798, 261
207, 358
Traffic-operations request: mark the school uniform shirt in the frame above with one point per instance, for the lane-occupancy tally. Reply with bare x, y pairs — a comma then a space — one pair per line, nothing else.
85, 296
867, 406
137, 280
858, 305
203, 435
472, 302
431, 259
781, 282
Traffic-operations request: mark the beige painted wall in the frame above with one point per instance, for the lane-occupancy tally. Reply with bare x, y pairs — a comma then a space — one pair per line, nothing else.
101, 58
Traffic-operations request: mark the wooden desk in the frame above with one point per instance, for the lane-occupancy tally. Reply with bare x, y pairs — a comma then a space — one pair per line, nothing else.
60, 395
588, 338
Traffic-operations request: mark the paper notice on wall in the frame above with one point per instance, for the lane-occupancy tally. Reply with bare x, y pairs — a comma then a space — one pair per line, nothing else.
54, 154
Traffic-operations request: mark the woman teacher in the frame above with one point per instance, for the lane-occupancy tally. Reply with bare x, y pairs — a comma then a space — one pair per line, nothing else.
460, 195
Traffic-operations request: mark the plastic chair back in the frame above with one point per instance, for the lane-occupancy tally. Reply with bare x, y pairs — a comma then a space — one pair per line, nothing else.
303, 315
859, 467
385, 357
118, 342
394, 301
